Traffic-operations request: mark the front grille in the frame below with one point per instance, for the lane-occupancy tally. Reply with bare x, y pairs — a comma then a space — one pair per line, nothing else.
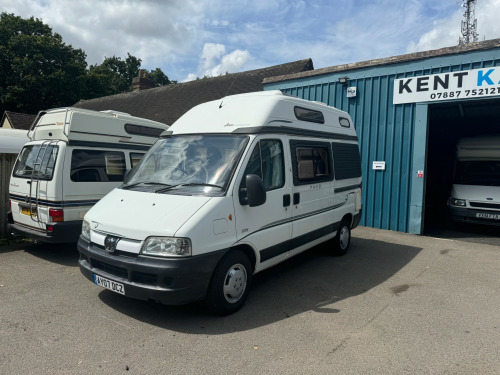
485, 205
136, 277
112, 270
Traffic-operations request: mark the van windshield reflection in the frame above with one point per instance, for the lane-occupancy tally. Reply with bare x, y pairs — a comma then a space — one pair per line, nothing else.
203, 163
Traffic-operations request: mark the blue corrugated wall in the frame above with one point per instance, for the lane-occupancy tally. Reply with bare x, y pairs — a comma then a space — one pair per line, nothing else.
396, 134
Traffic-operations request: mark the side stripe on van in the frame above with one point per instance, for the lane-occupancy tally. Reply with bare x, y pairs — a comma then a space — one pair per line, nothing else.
55, 204
293, 243
296, 242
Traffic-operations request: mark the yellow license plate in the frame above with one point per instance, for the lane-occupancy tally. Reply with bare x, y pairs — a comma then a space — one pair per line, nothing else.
26, 211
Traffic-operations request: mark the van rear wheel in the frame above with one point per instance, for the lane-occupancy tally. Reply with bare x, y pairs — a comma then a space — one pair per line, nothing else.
230, 284
342, 240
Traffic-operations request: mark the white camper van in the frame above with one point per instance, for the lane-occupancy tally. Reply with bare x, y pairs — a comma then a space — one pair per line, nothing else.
475, 195
235, 186
73, 159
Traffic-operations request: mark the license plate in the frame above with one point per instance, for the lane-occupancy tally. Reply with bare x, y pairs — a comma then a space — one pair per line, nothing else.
26, 211
109, 284
488, 216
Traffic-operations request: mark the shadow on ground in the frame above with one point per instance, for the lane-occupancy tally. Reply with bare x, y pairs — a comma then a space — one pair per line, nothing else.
311, 281
63, 254
484, 234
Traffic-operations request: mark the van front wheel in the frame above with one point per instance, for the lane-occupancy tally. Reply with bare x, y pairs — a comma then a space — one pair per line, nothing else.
343, 239
230, 284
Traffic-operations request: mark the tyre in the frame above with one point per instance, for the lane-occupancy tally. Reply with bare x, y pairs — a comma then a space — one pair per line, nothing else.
342, 240
230, 284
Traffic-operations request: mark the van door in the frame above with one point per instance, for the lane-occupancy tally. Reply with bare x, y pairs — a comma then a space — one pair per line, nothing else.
267, 228
33, 184
312, 193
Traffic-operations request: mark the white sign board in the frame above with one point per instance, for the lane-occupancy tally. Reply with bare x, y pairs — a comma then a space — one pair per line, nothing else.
378, 165
351, 92
448, 86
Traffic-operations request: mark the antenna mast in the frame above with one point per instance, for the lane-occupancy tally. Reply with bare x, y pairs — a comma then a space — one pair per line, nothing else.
469, 26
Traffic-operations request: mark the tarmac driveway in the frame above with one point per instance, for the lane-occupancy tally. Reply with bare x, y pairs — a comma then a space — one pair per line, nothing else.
395, 304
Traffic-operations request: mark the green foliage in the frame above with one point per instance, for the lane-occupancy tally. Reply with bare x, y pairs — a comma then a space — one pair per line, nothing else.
159, 78
37, 70
113, 76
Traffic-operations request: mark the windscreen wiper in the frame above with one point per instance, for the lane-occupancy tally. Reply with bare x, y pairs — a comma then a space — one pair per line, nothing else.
167, 188
145, 183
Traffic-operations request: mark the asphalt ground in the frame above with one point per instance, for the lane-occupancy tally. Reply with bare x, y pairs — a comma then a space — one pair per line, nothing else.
395, 304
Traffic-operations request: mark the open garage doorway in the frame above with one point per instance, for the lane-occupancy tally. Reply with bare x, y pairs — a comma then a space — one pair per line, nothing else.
447, 123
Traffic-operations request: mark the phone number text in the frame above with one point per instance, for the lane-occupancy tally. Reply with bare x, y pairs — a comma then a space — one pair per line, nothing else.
465, 93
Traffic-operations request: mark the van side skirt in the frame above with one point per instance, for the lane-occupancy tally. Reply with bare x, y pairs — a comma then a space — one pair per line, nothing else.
294, 243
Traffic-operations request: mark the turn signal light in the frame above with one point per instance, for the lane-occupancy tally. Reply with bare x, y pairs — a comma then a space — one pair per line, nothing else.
56, 214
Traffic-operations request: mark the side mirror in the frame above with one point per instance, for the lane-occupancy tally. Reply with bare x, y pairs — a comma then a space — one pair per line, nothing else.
256, 191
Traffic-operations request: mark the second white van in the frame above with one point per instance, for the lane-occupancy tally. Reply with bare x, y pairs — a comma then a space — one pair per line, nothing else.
235, 186
74, 157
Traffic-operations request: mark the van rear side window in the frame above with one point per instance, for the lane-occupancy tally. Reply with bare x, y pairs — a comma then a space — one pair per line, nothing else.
97, 166
346, 160
135, 158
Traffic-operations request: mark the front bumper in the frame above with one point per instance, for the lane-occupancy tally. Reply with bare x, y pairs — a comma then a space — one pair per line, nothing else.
469, 215
171, 281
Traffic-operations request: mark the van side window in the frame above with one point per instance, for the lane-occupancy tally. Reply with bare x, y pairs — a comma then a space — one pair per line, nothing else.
135, 158
267, 162
311, 162
347, 160
97, 166
143, 130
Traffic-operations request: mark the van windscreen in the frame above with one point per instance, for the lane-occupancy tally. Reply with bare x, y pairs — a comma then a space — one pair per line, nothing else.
203, 163
478, 172
36, 161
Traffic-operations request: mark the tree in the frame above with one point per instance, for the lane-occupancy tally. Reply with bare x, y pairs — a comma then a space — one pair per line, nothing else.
159, 78
113, 76
37, 69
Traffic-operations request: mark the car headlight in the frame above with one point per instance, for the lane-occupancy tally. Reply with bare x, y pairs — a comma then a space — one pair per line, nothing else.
86, 230
167, 247
457, 202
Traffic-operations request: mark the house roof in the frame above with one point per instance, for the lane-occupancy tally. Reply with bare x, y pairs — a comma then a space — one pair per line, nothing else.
167, 103
484, 45
18, 120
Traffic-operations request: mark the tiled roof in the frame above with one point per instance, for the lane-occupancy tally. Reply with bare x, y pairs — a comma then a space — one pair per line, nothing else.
167, 103
19, 120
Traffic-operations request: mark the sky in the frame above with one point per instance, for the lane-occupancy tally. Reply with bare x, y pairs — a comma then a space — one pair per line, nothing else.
189, 39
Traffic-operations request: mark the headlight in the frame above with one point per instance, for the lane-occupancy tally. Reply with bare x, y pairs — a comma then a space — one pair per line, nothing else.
167, 247
457, 202
86, 230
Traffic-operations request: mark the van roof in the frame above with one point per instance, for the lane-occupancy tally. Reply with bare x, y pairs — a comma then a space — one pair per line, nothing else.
242, 112
84, 125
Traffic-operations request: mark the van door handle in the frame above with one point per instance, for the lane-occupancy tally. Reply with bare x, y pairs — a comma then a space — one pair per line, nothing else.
286, 200
296, 198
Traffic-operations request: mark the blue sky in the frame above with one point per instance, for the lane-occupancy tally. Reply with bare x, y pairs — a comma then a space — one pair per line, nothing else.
189, 39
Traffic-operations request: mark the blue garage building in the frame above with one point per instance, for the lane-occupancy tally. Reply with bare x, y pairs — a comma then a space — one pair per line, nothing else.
409, 112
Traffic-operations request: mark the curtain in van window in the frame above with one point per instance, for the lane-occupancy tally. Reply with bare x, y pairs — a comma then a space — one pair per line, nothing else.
97, 166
